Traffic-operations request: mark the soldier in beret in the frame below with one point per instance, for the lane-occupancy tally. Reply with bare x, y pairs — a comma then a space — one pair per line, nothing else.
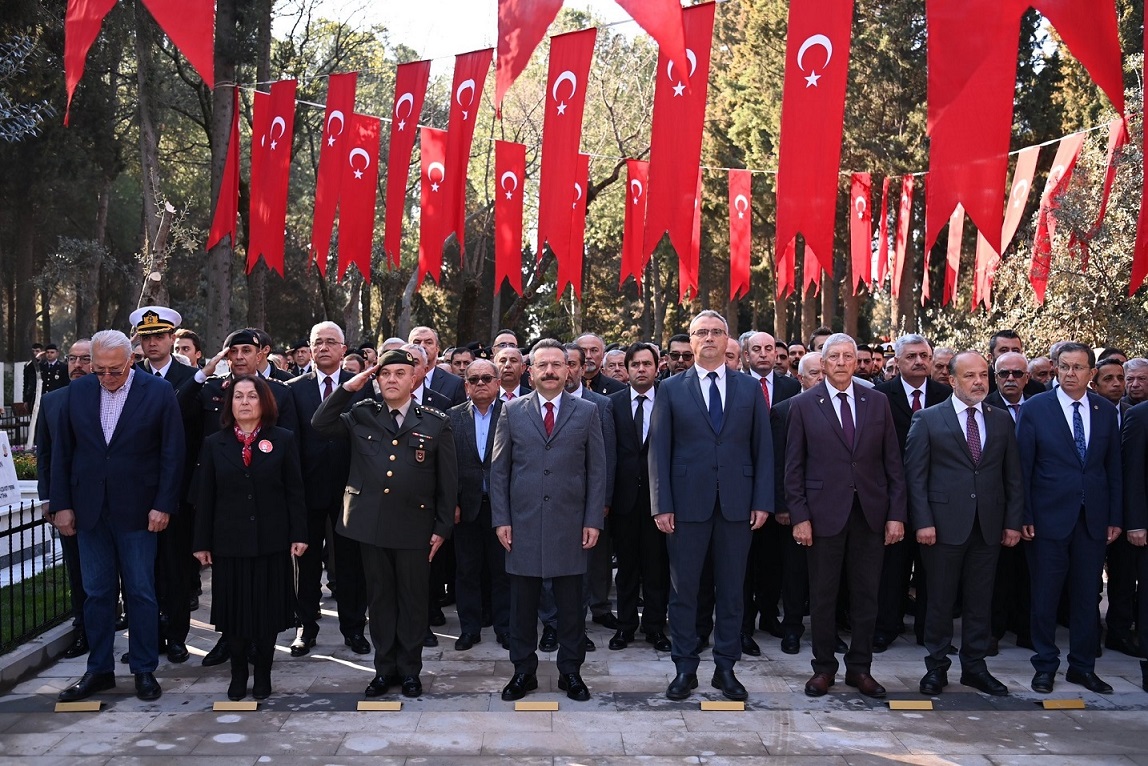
399, 504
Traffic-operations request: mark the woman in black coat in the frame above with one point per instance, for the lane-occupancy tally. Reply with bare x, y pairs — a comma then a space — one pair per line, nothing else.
250, 520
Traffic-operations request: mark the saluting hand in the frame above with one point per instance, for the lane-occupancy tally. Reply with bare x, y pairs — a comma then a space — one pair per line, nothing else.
213, 362
356, 383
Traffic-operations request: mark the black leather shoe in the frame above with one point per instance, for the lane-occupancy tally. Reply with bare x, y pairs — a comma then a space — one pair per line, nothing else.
358, 643
519, 685
147, 688
89, 684
412, 687
549, 640
791, 644
430, 639
659, 641
122, 622
1123, 643
933, 682
749, 646
679, 688
177, 652
503, 640
703, 644
587, 644
437, 618
772, 626
840, 647
219, 654
78, 648
731, 688
303, 642
984, 682
466, 641
621, 640
880, 643
1088, 680
607, 620
379, 686
574, 686
1043, 681
192, 603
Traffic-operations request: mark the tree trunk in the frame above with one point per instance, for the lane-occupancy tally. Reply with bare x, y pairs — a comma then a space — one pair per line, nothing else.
87, 319
809, 306
852, 308
403, 326
828, 300
148, 138
781, 319
257, 279
25, 270
352, 308
657, 303
221, 257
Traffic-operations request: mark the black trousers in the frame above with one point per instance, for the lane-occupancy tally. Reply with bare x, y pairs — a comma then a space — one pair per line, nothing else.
968, 569
352, 593
600, 573
476, 548
764, 572
71, 549
795, 585
893, 593
1140, 556
1123, 579
1011, 593
176, 574
643, 567
397, 585
524, 596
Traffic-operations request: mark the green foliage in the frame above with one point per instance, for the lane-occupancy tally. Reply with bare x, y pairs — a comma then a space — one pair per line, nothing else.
25, 462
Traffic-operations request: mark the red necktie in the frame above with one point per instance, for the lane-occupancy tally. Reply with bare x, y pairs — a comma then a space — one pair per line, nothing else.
916, 400
548, 420
509, 395
765, 390
327, 387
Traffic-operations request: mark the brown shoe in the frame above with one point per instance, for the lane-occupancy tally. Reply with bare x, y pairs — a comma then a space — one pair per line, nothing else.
866, 684
818, 686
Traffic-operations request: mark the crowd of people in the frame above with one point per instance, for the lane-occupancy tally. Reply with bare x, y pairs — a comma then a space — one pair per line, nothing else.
737, 485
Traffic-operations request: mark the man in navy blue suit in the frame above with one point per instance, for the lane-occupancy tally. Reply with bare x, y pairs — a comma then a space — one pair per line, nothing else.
116, 470
1070, 456
709, 424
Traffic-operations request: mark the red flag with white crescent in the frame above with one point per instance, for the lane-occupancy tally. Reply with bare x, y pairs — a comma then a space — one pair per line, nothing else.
521, 26
466, 96
901, 245
1019, 192
256, 225
987, 261
434, 217
1058, 178
225, 219
688, 264
269, 187
333, 150
190, 24
1140, 252
357, 197
510, 170
1089, 31
661, 20
786, 264
1117, 140
740, 231
812, 117
810, 271
861, 229
561, 133
676, 134
881, 267
953, 254
570, 268
633, 260
82, 22
410, 91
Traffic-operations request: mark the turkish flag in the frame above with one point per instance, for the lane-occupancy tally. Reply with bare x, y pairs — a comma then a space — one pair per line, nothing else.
861, 228
676, 135
1019, 193
561, 132
662, 20
434, 218
274, 121
510, 169
812, 115
633, 259
82, 22
357, 195
1117, 140
224, 220
740, 231
972, 49
1088, 29
901, 245
570, 267
332, 159
521, 26
466, 95
953, 254
256, 224
689, 263
881, 267
190, 24
786, 263
987, 261
810, 270
1058, 178
410, 91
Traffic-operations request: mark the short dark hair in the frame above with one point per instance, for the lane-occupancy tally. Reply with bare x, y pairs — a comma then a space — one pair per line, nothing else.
1107, 361
819, 332
864, 347
1010, 334
779, 343
1072, 347
680, 337
268, 408
1110, 351
461, 350
191, 335
549, 343
577, 349
635, 348
506, 331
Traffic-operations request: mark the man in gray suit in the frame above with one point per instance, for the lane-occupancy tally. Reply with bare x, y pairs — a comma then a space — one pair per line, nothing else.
966, 498
547, 495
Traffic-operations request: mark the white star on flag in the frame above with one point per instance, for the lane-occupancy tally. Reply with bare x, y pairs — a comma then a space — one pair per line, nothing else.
811, 80
679, 90
561, 107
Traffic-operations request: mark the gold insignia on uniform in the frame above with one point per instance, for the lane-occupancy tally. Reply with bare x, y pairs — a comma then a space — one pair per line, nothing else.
420, 455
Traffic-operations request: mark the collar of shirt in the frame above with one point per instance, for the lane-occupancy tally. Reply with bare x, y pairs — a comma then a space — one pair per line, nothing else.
502, 392
703, 373
266, 374
833, 392
577, 393
909, 390
321, 377
556, 401
430, 376
959, 406
161, 371
1066, 401
403, 410
649, 395
420, 393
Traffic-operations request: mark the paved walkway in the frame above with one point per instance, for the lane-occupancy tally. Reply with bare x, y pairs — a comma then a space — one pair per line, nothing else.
311, 718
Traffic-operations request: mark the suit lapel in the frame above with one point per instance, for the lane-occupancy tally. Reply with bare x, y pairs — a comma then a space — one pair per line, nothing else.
949, 415
232, 448
898, 399
825, 404
534, 407
469, 431
565, 411
861, 416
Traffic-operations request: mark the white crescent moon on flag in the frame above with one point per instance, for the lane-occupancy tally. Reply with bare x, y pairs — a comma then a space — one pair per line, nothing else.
691, 57
358, 152
577, 194
278, 121
335, 114
1054, 177
740, 203
812, 41
466, 85
408, 99
502, 181
432, 168
566, 76
1019, 190
640, 190
860, 205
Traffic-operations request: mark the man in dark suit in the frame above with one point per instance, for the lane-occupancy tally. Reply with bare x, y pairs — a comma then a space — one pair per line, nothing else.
450, 386
547, 495
116, 469
1135, 468
1008, 342
1070, 455
511, 373
325, 462
845, 488
643, 565
594, 377
476, 546
764, 570
399, 511
909, 391
423, 394
966, 497
709, 425
53, 371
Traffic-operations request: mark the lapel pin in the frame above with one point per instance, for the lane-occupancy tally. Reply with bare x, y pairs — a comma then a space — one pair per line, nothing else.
265, 446
820, 400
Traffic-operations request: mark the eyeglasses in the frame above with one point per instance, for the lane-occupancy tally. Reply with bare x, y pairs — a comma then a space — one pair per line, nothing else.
321, 342
678, 356
1075, 368
474, 380
712, 332
110, 373
506, 344
73, 359
1006, 374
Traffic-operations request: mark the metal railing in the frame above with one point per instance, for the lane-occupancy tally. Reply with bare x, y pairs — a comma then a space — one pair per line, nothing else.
34, 594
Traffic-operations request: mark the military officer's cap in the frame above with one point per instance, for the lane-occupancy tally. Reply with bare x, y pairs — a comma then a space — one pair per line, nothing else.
397, 356
242, 338
154, 320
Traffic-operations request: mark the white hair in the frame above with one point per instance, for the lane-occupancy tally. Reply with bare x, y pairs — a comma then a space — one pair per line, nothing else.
415, 348
912, 339
327, 326
836, 339
111, 340
709, 314
803, 365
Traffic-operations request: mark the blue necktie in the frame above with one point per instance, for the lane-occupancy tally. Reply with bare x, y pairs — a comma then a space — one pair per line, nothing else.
715, 402
1078, 431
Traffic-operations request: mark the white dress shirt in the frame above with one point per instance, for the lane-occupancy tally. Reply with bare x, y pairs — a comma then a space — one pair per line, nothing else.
833, 392
704, 382
962, 411
647, 409
909, 392
1085, 415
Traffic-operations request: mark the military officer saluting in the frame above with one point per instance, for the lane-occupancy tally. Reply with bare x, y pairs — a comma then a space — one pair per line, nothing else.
399, 504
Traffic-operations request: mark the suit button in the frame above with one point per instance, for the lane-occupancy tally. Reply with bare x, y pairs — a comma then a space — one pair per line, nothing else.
386, 490
395, 443
546, 472
853, 464
547, 446
249, 497
546, 498
390, 474
253, 518
973, 495
392, 458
